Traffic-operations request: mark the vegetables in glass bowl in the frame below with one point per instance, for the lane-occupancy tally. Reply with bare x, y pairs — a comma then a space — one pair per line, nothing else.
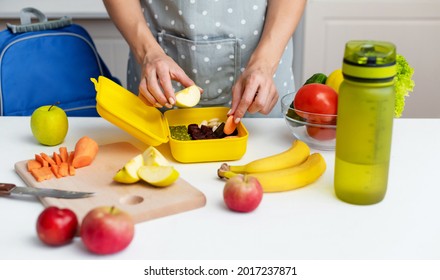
317, 130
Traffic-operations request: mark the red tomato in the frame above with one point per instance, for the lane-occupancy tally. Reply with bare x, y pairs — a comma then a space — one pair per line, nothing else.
316, 99
321, 133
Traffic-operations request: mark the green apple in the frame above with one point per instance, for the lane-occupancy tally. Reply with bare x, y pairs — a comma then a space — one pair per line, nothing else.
188, 97
128, 174
49, 125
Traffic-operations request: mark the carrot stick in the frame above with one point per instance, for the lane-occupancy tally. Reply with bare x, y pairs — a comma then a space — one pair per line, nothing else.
33, 164
72, 170
86, 150
230, 125
63, 154
48, 159
41, 160
70, 158
55, 170
43, 173
56, 157
64, 169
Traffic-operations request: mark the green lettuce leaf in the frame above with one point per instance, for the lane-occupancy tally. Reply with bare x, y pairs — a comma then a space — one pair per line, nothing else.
403, 83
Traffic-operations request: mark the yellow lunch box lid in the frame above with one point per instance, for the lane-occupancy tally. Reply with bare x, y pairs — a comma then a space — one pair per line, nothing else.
125, 110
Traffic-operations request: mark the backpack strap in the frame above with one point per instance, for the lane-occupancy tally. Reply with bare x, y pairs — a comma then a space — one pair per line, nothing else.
42, 24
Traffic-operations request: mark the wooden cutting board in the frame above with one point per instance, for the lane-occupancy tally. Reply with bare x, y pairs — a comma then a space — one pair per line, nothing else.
142, 201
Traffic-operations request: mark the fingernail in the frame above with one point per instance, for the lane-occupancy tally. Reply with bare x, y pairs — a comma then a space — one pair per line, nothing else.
229, 112
171, 100
237, 120
158, 105
168, 105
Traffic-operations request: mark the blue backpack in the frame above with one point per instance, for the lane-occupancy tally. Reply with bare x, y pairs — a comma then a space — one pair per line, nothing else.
48, 62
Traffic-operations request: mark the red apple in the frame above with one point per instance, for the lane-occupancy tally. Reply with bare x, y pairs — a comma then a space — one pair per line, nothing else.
107, 230
57, 226
242, 193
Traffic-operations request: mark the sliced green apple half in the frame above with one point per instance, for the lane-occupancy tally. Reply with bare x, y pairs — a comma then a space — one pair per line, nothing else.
152, 156
188, 97
128, 174
158, 176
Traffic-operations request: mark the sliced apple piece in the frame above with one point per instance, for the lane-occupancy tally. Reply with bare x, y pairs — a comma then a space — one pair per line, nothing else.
129, 173
188, 97
158, 176
153, 157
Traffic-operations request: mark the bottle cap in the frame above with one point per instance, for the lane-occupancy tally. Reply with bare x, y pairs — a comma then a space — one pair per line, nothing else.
371, 60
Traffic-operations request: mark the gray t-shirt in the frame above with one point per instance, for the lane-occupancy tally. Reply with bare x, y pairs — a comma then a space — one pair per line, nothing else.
211, 40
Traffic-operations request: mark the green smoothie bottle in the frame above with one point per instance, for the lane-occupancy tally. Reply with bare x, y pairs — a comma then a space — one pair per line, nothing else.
365, 122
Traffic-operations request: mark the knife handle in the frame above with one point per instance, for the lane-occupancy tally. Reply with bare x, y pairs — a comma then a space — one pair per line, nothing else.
6, 188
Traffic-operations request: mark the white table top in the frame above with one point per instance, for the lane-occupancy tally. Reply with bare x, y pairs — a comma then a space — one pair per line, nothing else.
308, 223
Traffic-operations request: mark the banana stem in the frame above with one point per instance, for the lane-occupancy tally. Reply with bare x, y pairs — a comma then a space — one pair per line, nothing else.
224, 172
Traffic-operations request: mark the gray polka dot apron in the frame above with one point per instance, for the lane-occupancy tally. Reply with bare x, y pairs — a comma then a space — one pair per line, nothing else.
211, 40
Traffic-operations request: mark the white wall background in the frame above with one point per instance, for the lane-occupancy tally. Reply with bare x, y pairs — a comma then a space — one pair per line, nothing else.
412, 25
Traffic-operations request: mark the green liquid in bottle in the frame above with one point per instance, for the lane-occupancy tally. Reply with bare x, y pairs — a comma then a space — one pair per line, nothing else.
367, 183
363, 142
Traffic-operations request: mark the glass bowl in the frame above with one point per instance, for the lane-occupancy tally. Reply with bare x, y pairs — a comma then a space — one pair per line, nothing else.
317, 130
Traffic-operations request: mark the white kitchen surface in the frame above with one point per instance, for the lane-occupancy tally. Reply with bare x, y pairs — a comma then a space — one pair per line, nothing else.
305, 224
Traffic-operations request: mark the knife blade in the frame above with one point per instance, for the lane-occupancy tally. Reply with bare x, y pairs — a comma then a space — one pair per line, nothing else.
7, 189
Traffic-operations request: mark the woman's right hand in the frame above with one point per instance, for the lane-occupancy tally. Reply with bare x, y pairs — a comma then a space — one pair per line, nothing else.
155, 87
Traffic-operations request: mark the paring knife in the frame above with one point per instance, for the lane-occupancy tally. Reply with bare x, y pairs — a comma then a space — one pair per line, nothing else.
7, 189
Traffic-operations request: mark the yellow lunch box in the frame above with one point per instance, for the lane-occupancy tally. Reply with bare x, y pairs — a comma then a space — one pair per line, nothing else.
125, 110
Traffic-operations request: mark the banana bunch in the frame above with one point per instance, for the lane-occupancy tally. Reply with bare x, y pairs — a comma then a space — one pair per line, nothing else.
288, 170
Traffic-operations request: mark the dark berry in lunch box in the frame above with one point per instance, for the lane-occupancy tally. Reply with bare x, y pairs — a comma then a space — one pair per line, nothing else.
193, 128
205, 129
198, 135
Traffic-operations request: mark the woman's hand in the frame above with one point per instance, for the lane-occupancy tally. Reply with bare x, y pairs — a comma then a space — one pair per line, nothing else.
158, 69
254, 91
155, 87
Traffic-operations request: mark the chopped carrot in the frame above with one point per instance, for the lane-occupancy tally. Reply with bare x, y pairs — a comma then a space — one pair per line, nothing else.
32, 164
55, 170
48, 159
230, 125
41, 160
72, 170
86, 150
64, 163
71, 155
56, 157
63, 154
43, 173
64, 169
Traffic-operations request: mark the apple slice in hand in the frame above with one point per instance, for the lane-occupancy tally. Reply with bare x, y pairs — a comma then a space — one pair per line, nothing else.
188, 97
